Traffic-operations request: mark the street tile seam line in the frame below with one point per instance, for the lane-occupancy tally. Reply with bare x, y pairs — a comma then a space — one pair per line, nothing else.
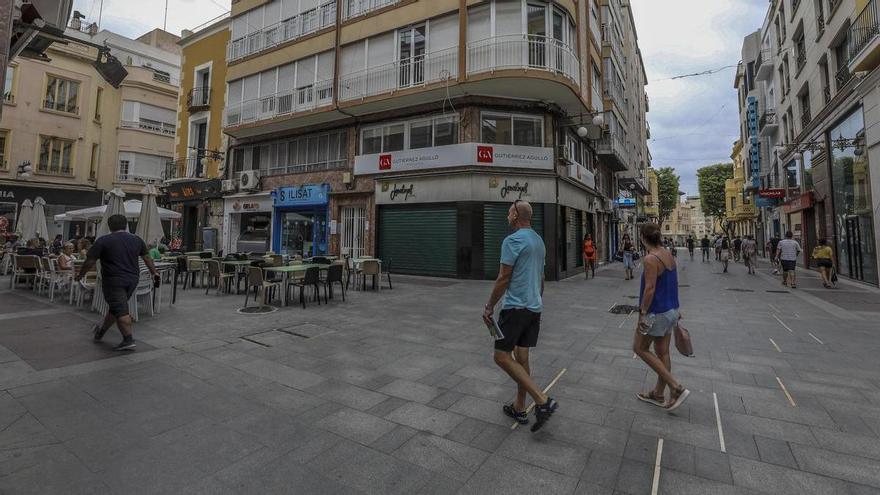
718, 421
815, 338
546, 389
774, 345
783, 324
655, 485
785, 390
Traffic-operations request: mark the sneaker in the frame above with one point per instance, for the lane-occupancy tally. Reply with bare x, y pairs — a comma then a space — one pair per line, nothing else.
98, 333
543, 413
125, 346
520, 417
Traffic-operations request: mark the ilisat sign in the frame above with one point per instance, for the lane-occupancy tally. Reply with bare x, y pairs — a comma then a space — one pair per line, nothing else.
305, 195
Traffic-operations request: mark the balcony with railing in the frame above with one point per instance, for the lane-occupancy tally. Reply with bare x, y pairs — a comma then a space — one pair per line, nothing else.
282, 103
185, 168
148, 125
399, 75
768, 124
357, 8
864, 42
611, 145
842, 77
527, 52
198, 98
806, 117
305, 23
800, 59
137, 179
613, 90
764, 65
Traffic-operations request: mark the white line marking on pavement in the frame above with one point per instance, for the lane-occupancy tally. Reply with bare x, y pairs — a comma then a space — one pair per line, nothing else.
788, 395
783, 324
776, 346
815, 338
656, 485
624, 320
718, 420
546, 389
774, 308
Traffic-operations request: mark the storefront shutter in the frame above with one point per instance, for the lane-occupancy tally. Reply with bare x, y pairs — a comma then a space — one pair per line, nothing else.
574, 248
496, 228
419, 241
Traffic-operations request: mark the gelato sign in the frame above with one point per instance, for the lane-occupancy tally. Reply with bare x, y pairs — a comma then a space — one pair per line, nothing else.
455, 155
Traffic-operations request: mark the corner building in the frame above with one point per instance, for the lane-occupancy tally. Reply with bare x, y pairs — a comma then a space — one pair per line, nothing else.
405, 129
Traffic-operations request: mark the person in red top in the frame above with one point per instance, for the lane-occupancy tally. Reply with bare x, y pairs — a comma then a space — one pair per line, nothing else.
589, 256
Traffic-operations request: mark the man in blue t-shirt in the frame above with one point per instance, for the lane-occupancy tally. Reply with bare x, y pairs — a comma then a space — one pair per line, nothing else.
521, 283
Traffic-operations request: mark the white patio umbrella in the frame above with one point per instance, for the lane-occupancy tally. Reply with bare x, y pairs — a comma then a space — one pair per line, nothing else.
40, 228
149, 227
132, 212
115, 206
24, 227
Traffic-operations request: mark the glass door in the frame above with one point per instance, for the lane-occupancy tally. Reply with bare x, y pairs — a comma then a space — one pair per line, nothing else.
559, 41
412, 44
537, 35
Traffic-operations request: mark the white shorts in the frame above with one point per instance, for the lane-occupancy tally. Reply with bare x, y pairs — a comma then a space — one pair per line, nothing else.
660, 323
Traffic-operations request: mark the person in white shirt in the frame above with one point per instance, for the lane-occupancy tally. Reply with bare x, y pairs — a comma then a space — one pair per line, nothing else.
787, 253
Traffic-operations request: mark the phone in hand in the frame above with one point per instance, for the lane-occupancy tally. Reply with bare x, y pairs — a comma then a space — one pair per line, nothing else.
494, 330
157, 281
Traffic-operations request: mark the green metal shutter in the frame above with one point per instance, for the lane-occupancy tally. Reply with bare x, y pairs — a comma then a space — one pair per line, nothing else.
419, 241
496, 228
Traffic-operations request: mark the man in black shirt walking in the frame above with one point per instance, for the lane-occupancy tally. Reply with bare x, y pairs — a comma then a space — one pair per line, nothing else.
704, 246
118, 253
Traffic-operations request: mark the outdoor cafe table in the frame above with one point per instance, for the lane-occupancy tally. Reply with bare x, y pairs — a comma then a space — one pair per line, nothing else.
240, 267
285, 272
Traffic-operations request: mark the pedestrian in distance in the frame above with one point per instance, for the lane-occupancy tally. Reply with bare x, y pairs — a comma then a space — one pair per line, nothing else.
737, 248
628, 251
718, 248
724, 255
658, 315
690, 245
520, 288
589, 256
750, 253
118, 253
824, 256
774, 262
705, 244
787, 252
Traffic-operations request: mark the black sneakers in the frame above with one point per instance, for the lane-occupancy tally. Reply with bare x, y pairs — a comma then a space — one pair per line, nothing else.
125, 345
98, 333
521, 417
543, 413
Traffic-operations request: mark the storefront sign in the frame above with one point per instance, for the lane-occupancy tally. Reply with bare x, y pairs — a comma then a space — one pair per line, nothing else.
455, 155
305, 195
772, 193
193, 191
802, 202
4, 194
467, 187
625, 199
582, 175
514, 190
402, 190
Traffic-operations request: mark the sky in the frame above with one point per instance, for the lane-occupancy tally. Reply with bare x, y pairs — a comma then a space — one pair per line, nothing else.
693, 120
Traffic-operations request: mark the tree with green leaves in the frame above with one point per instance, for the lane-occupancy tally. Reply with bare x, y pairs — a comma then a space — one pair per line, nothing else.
667, 189
711, 181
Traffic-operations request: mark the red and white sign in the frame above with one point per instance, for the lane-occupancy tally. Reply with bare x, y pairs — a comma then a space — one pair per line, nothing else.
772, 193
455, 155
799, 203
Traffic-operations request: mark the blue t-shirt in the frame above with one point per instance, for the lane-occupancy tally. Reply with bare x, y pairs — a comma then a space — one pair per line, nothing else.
524, 251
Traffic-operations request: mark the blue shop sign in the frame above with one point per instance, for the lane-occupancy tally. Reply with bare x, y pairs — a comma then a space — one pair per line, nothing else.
305, 195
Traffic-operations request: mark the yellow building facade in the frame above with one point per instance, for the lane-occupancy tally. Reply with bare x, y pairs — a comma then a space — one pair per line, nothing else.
741, 213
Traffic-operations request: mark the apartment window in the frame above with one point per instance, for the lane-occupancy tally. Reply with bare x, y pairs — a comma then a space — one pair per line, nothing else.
99, 98
790, 114
93, 161
61, 95
56, 156
820, 16
146, 117
413, 134
309, 153
518, 130
578, 151
140, 167
826, 81
804, 101
8, 93
787, 75
841, 62
800, 49
4, 139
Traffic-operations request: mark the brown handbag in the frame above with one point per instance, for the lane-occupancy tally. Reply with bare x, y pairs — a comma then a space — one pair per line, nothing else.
683, 340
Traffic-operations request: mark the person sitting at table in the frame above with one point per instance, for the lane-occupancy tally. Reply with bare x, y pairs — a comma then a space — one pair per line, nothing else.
65, 259
83, 247
154, 253
32, 249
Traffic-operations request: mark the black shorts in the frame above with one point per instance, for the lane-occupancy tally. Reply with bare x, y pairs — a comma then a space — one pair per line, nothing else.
520, 328
117, 297
788, 265
824, 263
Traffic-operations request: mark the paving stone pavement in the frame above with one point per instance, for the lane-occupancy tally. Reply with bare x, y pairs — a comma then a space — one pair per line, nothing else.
396, 392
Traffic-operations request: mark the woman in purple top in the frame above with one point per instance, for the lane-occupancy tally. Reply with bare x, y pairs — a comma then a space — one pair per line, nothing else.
658, 314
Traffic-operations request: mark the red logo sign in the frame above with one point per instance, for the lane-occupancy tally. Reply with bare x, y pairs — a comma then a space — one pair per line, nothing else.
485, 154
384, 162
772, 193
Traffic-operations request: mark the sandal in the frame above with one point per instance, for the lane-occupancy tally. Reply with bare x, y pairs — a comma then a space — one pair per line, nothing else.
677, 398
521, 417
650, 398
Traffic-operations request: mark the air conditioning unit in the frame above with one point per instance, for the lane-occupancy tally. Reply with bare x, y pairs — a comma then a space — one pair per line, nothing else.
249, 180
227, 186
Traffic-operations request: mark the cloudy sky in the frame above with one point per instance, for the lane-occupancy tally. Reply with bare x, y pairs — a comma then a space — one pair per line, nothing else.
693, 120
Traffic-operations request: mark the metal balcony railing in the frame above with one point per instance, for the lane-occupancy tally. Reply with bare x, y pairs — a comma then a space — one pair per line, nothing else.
281, 103
610, 144
401, 74
863, 29
801, 59
806, 117
842, 77
140, 179
355, 8
613, 89
528, 52
767, 118
198, 97
150, 126
826, 94
298, 26
184, 168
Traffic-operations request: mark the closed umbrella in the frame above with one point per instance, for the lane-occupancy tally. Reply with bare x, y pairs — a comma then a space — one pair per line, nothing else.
115, 206
149, 227
40, 228
24, 227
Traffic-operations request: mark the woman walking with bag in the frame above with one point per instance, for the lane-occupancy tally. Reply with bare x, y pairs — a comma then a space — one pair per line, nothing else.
658, 315
824, 256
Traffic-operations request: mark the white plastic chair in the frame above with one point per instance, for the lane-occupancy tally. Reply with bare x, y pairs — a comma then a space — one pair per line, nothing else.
144, 288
